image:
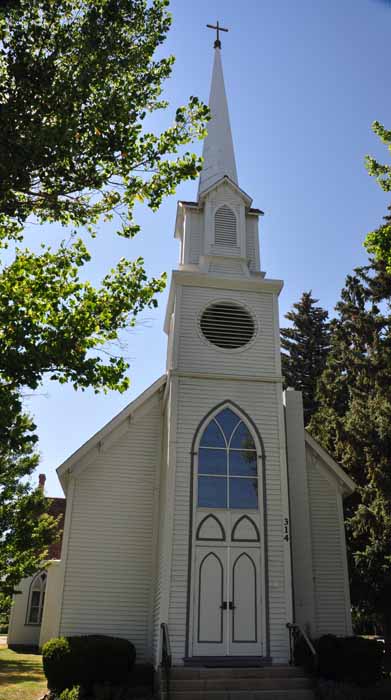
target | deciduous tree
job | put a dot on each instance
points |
(378, 242)
(25, 527)
(79, 85)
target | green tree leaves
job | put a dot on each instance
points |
(378, 242)
(25, 529)
(80, 86)
(51, 321)
(77, 81)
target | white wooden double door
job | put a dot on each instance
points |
(227, 600)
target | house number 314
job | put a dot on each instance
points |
(286, 529)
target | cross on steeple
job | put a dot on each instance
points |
(216, 26)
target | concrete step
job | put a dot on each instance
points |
(258, 683)
(300, 694)
(230, 683)
(184, 673)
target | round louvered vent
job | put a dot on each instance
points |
(227, 325)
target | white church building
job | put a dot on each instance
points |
(204, 504)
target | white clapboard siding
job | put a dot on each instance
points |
(194, 223)
(233, 268)
(252, 244)
(196, 398)
(109, 564)
(197, 355)
(328, 551)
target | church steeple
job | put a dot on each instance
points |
(219, 232)
(218, 150)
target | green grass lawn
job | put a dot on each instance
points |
(21, 676)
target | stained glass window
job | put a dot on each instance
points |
(227, 464)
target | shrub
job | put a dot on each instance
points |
(57, 663)
(329, 690)
(71, 661)
(142, 676)
(70, 693)
(351, 659)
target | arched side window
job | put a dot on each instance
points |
(227, 464)
(225, 226)
(36, 599)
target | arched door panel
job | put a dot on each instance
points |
(210, 595)
(245, 591)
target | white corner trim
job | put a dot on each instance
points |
(285, 509)
(95, 441)
(348, 485)
(65, 547)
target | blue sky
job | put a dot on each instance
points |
(305, 79)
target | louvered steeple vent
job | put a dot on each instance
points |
(225, 226)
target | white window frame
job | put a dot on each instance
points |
(38, 585)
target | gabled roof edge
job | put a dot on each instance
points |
(349, 485)
(232, 184)
(108, 428)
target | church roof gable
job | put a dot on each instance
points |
(102, 434)
(347, 484)
(232, 185)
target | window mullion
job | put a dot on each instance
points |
(228, 472)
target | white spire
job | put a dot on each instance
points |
(218, 150)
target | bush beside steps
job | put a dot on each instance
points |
(343, 659)
(94, 667)
(331, 690)
(103, 691)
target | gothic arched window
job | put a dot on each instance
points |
(36, 599)
(227, 464)
(225, 226)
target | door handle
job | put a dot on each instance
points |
(231, 605)
(224, 605)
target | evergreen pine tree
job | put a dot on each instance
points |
(353, 423)
(305, 346)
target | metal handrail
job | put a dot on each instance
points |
(295, 632)
(166, 656)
